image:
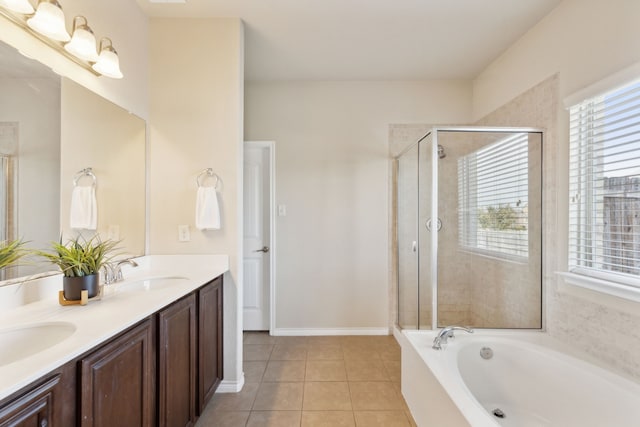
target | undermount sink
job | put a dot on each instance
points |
(23, 341)
(152, 283)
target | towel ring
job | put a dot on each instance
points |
(207, 173)
(85, 172)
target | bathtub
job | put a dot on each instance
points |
(526, 378)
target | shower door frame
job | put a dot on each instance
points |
(434, 211)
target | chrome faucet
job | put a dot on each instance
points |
(118, 268)
(113, 273)
(446, 333)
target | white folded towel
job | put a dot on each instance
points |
(207, 209)
(84, 208)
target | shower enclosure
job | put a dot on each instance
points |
(469, 229)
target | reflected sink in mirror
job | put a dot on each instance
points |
(19, 342)
(152, 283)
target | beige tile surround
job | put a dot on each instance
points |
(350, 381)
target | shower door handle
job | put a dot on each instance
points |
(427, 224)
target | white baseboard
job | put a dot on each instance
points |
(332, 331)
(231, 386)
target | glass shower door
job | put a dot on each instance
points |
(407, 239)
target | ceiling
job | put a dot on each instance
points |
(368, 39)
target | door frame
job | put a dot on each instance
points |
(270, 146)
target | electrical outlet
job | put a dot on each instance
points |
(183, 233)
(282, 210)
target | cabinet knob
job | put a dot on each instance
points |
(44, 422)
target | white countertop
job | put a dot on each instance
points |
(122, 305)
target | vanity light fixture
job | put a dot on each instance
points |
(83, 42)
(18, 6)
(47, 24)
(108, 63)
(49, 21)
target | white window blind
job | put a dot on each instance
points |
(604, 186)
(493, 198)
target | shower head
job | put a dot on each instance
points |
(441, 153)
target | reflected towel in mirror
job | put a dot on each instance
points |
(207, 209)
(84, 208)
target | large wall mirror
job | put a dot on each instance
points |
(51, 131)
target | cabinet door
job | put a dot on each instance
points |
(209, 341)
(34, 409)
(177, 363)
(116, 381)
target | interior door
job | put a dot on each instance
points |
(257, 251)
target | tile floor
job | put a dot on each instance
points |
(313, 382)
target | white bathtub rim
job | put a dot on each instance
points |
(442, 363)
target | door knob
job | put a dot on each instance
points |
(264, 249)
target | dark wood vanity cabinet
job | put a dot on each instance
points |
(162, 371)
(177, 363)
(117, 381)
(34, 409)
(209, 341)
(189, 355)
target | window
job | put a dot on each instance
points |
(604, 186)
(493, 198)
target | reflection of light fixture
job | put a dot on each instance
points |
(49, 20)
(18, 6)
(83, 42)
(108, 63)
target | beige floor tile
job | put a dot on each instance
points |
(257, 351)
(328, 419)
(274, 419)
(279, 397)
(259, 338)
(360, 353)
(289, 352)
(393, 369)
(375, 396)
(381, 419)
(324, 340)
(299, 341)
(242, 401)
(366, 370)
(254, 370)
(324, 352)
(390, 353)
(325, 370)
(223, 419)
(326, 396)
(284, 371)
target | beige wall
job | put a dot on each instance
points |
(582, 41)
(332, 173)
(195, 122)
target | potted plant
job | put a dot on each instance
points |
(11, 251)
(80, 261)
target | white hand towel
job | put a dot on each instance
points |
(84, 208)
(207, 209)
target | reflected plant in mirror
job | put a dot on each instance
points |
(11, 251)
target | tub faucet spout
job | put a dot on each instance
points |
(446, 333)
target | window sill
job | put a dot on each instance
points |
(626, 292)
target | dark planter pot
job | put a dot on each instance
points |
(72, 286)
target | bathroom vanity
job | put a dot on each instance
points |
(158, 363)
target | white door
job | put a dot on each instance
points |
(257, 239)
